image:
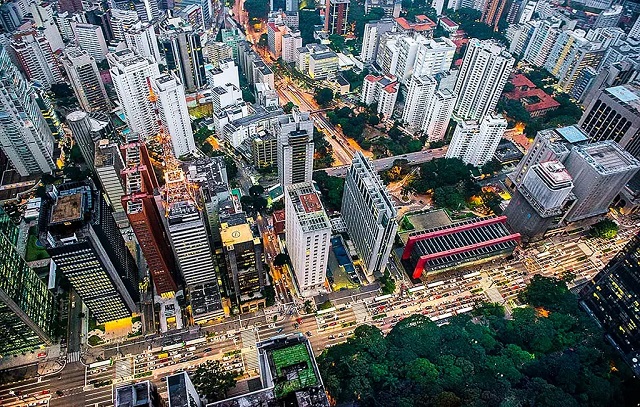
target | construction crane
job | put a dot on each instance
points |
(177, 188)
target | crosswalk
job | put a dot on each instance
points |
(73, 357)
(360, 311)
(250, 356)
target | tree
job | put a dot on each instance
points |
(337, 42)
(491, 167)
(387, 283)
(212, 381)
(374, 120)
(256, 190)
(606, 229)
(323, 96)
(307, 20)
(331, 189)
(263, 41)
(288, 107)
(448, 197)
(281, 259)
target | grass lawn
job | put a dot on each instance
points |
(35, 251)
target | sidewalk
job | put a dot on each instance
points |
(50, 360)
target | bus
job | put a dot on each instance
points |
(195, 341)
(326, 311)
(172, 347)
(436, 284)
(416, 289)
(471, 275)
(382, 298)
(107, 362)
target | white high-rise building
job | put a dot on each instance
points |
(407, 50)
(635, 30)
(369, 215)
(476, 143)
(89, 37)
(542, 40)
(25, 137)
(85, 80)
(436, 120)
(308, 234)
(130, 74)
(226, 72)
(33, 52)
(373, 31)
(142, 39)
(433, 56)
(421, 90)
(483, 74)
(291, 41)
(172, 106)
(382, 90)
(121, 21)
(295, 148)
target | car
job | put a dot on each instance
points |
(59, 393)
(45, 391)
(207, 349)
(308, 333)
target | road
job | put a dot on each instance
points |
(381, 164)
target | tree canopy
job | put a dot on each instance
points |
(331, 189)
(550, 359)
(606, 228)
(212, 381)
(323, 96)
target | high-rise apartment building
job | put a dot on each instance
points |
(336, 13)
(438, 115)
(382, 90)
(36, 58)
(600, 171)
(84, 78)
(172, 106)
(614, 114)
(476, 143)
(308, 234)
(483, 74)
(421, 91)
(121, 21)
(612, 297)
(97, 16)
(86, 246)
(635, 29)
(232, 37)
(130, 74)
(295, 147)
(369, 215)
(181, 44)
(25, 137)
(27, 307)
(217, 52)
(541, 41)
(141, 37)
(492, 12)
(140, 207)
(609, 17)
(90, 38)
(108, 163)
(434, 55)
(291, 41)
(373, 31)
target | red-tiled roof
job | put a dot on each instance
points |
(391, 88)
(519, 80)
(448, 22)
(423, 24)
(546, 101)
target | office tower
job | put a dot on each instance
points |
(600, 171)
(635, 29)
(540, 199)
(232, 37)
(373, 31)
(492, 12)
(43, 100)
(84, 78)
(141, 37)
(43, 16)
(80, 125)
(172, 107)
(181, 391)
(146, 10)
(86, 246)
(291, 41)
(570, 55)
(541, 41)
(121, 21)
(292, 5)
(108, 164)
(141, 394)
(369, 215)
(421, 91)
(295, 147)
(217, 52)
(36, 58)
(612, 297)
(614, 114)
(308, 233)
(25, 137)
(609, 17)
(476, 143)
(70, 6)
(225, 73)
(336, 13)
(613, 74)
(483, 74)
(27, 308)
(98, 17)
(242, 247)
(130, 74)
(434, 55)
(90, 38)
(139, 204)
(274, 38)
(181, 45)
(382, 90)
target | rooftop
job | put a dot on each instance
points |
(133, 395)
(607, 157)
(232, 235)
(556, 172)
(69, 208)
(308, 207)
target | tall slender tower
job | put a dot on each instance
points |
(85, 80)
(483, 74)
(295, 148)
(24, 134)
(36, 57)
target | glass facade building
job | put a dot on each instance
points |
(27, 307)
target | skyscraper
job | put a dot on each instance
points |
(85, 80)
(600, 171)
(614, 114)
(172, 107)
(108, 164)
(421, 91)
(308, 234)
(146, 221)
(438, 115)
(86, 246)
(483, 74)
(492, 12)
(181, 44)
(90, 38)
(475, 143)
(369, 215)
(27, 307)
(295, 148)
(34, 53)
(373, 31)
(336, 13)
(24, 135)
(612, 297)
(130, 74)
(142, 39)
